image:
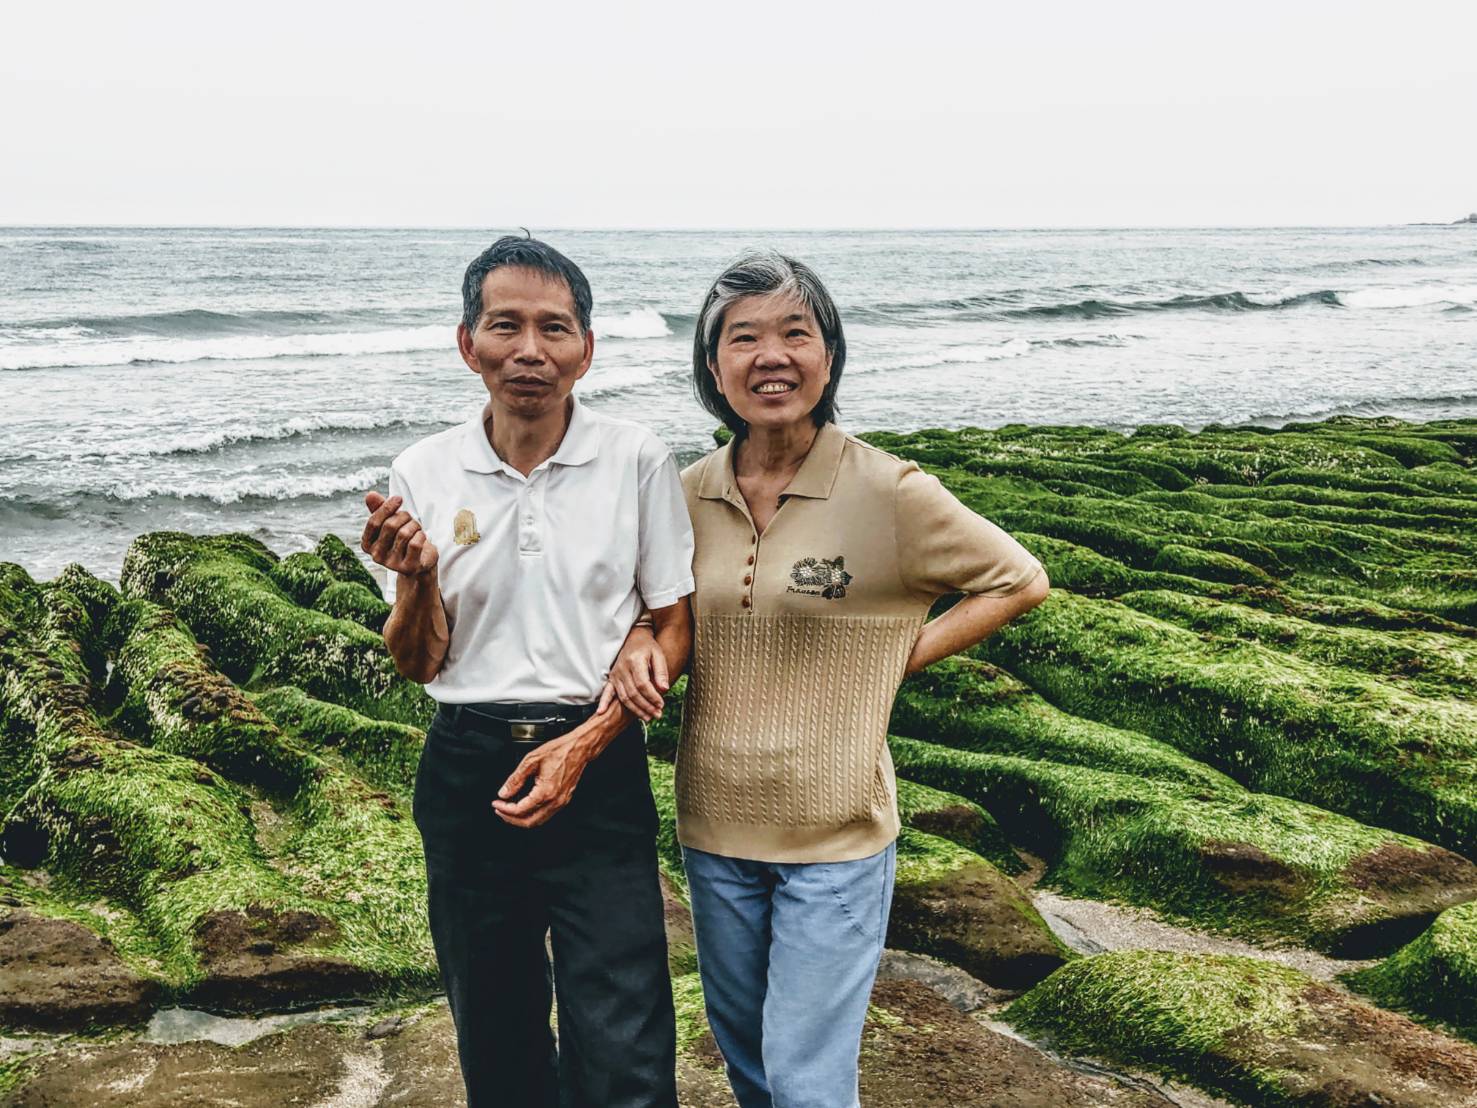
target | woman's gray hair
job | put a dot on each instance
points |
(761, 273)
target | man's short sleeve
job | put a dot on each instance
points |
(399, 487)
(943, 547)
(664, 573)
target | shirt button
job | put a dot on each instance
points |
(745, 602)
(748, 580)
(751, 559)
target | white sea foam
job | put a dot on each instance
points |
(207, 439)
(987, 352)
(1409, 296)
(53, 355)
(231, 490)
(642, 323)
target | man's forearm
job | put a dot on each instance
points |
(417, 633)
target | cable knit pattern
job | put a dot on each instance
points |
(803, 633)
(784, 736)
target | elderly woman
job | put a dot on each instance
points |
(817, 560)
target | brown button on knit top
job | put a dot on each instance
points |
(803, 634)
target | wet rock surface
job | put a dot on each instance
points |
(918, 1050)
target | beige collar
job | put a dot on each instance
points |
(815, 478)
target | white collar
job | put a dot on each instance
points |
(581, 443)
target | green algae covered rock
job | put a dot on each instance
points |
(353, 602)
(1433, 976)
(350, 847)
(954, 905)
(1429, 663)
(1225, 858)
(383, 752)
(302, 577)
(1254, 1031)
(226, 588)
(1239, 508)
(161, 833)
(961, 821)
(252, 873)
(1372, 749)
(972, 705)
(344, 563)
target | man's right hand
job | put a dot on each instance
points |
(395, 540)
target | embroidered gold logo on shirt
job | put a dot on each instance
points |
(464, 529)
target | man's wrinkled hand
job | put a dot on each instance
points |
(394, 539)
(554, 768)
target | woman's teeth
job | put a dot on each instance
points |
(773, 387)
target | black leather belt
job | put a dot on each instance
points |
(528, 724)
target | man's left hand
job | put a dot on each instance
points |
(555, 768)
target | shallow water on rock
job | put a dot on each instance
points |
(1092, 927)
(183, 1025)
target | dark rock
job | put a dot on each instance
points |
(260, 959)
(56, 975)
(386, 1027)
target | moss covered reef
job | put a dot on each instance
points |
(383, 752)
(1374, 511)
(1257, 1032)
(1328, 734)
(249, 870)
(1293, 609)
(1248, 706)
(950, 816)
(1256, 864)
(234, 594)
(1435, 975)
(972, 705)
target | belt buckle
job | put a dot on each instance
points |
(524, 731)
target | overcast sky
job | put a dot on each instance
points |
(747, 114)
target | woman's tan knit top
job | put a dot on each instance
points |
(803, 635)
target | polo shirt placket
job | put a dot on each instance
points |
(536, 611)
(531, 512)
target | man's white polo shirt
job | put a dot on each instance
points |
(542, 577)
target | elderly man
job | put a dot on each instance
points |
(521, 546)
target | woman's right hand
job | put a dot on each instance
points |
(638, 679)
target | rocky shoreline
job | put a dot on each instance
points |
(1200, 830)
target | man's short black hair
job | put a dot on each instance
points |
(528, 253)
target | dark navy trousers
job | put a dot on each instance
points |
(588, 880)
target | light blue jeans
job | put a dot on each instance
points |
(788, 953)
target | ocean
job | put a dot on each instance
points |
(261, 380)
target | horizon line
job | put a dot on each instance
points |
(696, 229)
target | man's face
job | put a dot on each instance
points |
(527, 346)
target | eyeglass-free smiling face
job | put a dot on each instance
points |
(772, 365)
(527, 347)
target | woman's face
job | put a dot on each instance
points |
(772, 364)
